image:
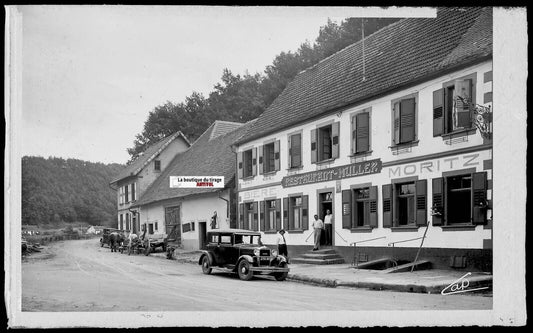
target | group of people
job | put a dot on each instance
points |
(318, 226)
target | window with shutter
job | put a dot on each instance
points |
(404, 125)
(241, 216)
(240, 166)
(255, 218)
(314, 148)
(262, 216)
(438, 201)
(479, 198)
(421, 205)
(262, 151)
(248, 162)
(276, 156)
(346, 209)
(335, 128)
(452, 105)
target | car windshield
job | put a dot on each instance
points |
(248, 239)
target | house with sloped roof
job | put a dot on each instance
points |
(392, 135)
(136, 177)
(185, 214)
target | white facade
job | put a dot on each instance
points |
(195, 214)
(428, 158)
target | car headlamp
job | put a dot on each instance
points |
(256, 252)
(274, 253)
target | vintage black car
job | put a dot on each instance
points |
(105, 235)
(241, 251)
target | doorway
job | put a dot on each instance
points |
(325, 202)
(202, 235)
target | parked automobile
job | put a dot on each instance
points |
(241, 251)
(105, 235)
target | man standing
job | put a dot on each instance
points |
(282, 244)
(318, 225)
(214, 219)
(328, 224)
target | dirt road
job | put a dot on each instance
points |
(79, 275)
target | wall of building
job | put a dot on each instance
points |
(193, 210)
(429, 158)
(147, 176)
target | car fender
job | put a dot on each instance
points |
(246, 257)
(209, 256)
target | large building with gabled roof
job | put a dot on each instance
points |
(137, 176)
(185, 214)
(391, 134)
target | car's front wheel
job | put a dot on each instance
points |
(244, 271)
(206, 267)
(283, 275)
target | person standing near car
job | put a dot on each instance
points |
(328, 226)
(318, 225)
(282, 244)
(132, 238)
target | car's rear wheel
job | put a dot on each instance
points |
(281, 276)
(206, 267)
(244, 271)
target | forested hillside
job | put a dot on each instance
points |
(55, 190)
(244, 97)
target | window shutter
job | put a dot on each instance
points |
(335, 139)
(241, 216)
(354, 136)
(278, 214)
(239, 165)
(347, 209)
(438, 112)
(374, 206)
(305, 212)
(363, 132)
(387, 205)
(407, 120)
(286, 213)
(262, 214)
(479, 197)
(438, 200)
(289, 157)
(396, 123)
(276, 155)
(134, 191)
(421, 202)
(255, 224)
(314, 150)
(260, 159)
(254, 161)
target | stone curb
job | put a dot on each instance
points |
(411, 288)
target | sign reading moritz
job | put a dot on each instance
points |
(336, 173)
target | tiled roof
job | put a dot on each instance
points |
(396, 56)
(203, 158)
(148, 155)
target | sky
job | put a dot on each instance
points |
(91, 74)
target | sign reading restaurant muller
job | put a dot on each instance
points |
(336, 173)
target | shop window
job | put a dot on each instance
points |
(296, 212)
(295, 151)
(361, 132)
(404, 120)
(359, 207)
(404, 204)
(247, 161)
(325, 143)
(269, 157)
(460, 199)
(452, 106)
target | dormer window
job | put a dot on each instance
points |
(157, 165)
